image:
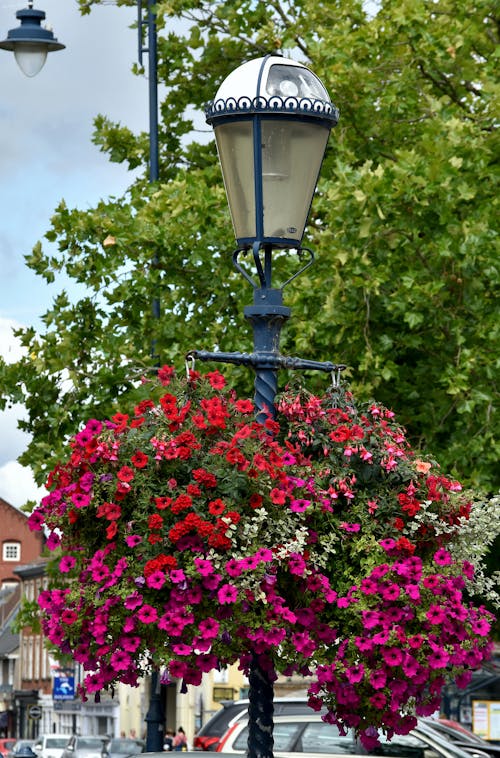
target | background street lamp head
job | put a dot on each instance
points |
(272, 118)
(30, 41)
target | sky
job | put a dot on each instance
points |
(46, 155)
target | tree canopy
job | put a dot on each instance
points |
(403, 225)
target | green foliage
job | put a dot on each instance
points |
(403, 227)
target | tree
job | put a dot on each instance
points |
(403, 227)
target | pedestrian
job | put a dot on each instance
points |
(180, 740)
(168, 742)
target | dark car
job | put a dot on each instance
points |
(462, 737)
(22, 749)
(209, 735)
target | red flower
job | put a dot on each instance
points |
(206, 478)
(125, 474)
(405, 545)
(155, 521)
(181, 503)
(143, 406)
(244, 406)
(139, 459)
(216, 507)
(217, 381)
(256, 500)
(111, 511)
(153, 538)
(163, 502)
(277, 496)
(120, 421)
(165, 374)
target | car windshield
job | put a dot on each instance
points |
(89, 742)
(56, 742)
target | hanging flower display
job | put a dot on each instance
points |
(188, 536)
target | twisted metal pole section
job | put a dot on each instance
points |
(260, 711)
(267, 316)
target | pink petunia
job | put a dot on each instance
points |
(442, 557)
(66, 563)
(228, 593)
(147, 614)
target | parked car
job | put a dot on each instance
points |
(85, 747)
(207, 738)
(312, 736)
(459, 735)
(50, 745)
(124, 746)
(22, 749)
(6, 744)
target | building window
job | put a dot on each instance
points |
(11, 551)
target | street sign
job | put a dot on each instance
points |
(35, 712)
(64, 687)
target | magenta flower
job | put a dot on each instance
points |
(435, 614)
(80, 499)
(438, 659)
(133, 601)
(233, 567)
(299, 505)
(156, 580)
(355, 674)
(349, 527)
(66, 563)
(392, 656)
(147, 614)
(177, 576)
(203, 566)
(228, 593)
(133, 540)
(442, 557)
(120, 660)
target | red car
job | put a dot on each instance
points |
(6, 744)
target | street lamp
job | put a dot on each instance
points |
(272, 118)
(31, 41)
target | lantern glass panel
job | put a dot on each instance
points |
(292, 153)
(235, 147)
(30, 57)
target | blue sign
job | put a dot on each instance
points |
(64, 687)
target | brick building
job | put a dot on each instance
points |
(18, 544)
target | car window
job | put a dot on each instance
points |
(405, 746)
(319, 737)
(284, 737)
(219, 722)
(56, 742)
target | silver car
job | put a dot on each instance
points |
(314, 738)
(85, 747)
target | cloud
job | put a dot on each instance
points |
(17, 485)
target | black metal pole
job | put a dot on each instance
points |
(155, 718)
(267, 316)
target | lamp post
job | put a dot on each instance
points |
(272, 118)
(31, 42)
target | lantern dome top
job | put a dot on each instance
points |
(272, 84)
(31, 32)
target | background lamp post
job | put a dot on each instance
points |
(31, 41)
(272, 118)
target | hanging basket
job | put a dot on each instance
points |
(187, 536)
